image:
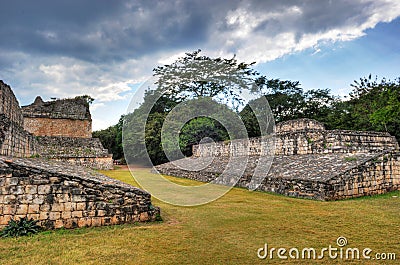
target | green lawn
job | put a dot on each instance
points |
(226, 231)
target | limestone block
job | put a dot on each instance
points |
(54, 216)
(33, 208)
(44, 189)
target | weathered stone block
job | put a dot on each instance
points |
(22, 209)
(33, 208)
(5, 219)
(77, 214)
(54, 216)
(58, 224)
(57, 207)
(144, 217)
(44, 189)
(31, 189)
(80, 206)
(66, 215)
(84, 222)
(96, 221)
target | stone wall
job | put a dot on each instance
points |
(14, 140)
(63, 117)
(308, 162)
(377, 175)
(313, 176)
(63, 195)
(79, 151)
(58, 127)
(9, 105)
(302, 140)
(298, 125)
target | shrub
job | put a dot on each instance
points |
(23, 227)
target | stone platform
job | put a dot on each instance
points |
(308, 162)
(320, 177)
(60, 194)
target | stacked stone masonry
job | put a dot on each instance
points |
(62, 117)
(308, 162)
(58, 127)
(59, 130)
(59, 193)
(301, 140)
(62, 195)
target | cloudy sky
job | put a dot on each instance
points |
(108, 48)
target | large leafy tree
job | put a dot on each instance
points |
(375, 105)
(193, 76)
(196, 75)
(287, 101)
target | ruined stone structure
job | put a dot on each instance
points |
(63, 195)
(64, 117)
(14, 140)
(59, 130)
(308, 162)
(53, 190)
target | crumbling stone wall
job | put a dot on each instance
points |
(63, 117)
(302, 140)
(299, 125)
(14, 140)
(87, 152)
(377, 175)
(58, 127)
(9, 105)
(63, 195)
(308, 162)
(312, 176)
(59, 130)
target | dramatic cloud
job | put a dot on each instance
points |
(101, 47)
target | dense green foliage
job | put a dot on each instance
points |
(200, 128)
(191, 79)
(111, 138)
(372, 105)
(22, 227)
(194, 76)
(288, 101)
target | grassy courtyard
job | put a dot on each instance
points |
(226, 231)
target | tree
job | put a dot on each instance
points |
(198, 129)
(192, 79)
(194, 76)
(375, 105)
(287, 101)
(111, 139)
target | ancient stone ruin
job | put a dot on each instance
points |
(65, 195)
(46, 151)
(58, 129)
(308, 162)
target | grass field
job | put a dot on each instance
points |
(226, 231)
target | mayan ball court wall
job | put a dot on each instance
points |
(308, 162)
(45, 175)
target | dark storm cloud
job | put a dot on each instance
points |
(104, 30)
(101, 47)
(101, 30)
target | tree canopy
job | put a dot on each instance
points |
(372, 105)
(196, 75)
